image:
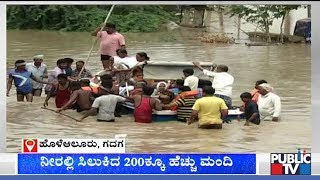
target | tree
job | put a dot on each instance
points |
(281, 11)
(260, 14)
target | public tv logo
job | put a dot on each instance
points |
(291, 163)
(30, 145)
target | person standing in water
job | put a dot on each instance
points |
(210, 110)
(40, 71)
(251, 110)
(144, 105)
(23, 81)
(80, 99)
(61, 90)
(269, 103)
(222, 82)
(60, 69)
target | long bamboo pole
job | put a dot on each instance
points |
(95, 42)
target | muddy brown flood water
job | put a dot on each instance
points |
(287, 68)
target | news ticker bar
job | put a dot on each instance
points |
(14, 164)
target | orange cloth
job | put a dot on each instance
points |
(255, 95)
(182, 95)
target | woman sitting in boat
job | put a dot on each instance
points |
(162, 92)
(138, 71)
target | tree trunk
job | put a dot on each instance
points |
(281, 26)
(220, 13)
(181, 14)
(186, 17)
(287, 24)
(267, 31)
(239, 26)
(198, 18)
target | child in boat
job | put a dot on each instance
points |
(144, 105)
(23, 81)
(61, 90)
(250, 109)
(184, 104)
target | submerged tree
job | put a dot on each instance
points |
(263, 15)
(281, 11)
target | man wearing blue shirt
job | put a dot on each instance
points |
(23, 81)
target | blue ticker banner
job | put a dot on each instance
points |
(136, 164)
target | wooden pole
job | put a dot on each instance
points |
(60, 113)
(95, 42)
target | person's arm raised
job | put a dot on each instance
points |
(95, 32)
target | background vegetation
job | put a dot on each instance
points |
(87, 18)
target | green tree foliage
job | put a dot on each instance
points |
(87, 18)
(262, 15)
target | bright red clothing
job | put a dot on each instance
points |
(62, 97)
(143, 112)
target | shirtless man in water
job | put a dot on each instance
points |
(79, 99)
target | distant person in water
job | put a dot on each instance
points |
(79, 99)
(53, 76)
(144, 105)
(251, 110)
(210, 110)
(269, 103)
(23, 81)
(62, 91)
(110, 42)
(40, 71)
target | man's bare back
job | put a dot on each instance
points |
(83, 99)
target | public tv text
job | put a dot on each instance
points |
(136, 164)
(291, 163)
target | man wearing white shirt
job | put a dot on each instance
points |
(269, 103)
(124, 60)
(39, 70)
(53, 75)
(190, 80)
(222, 82)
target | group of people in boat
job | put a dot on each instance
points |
(122, 80)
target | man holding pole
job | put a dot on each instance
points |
(110, 42)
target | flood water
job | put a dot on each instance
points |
(287, 68)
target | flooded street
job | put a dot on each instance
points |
(286, 67)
